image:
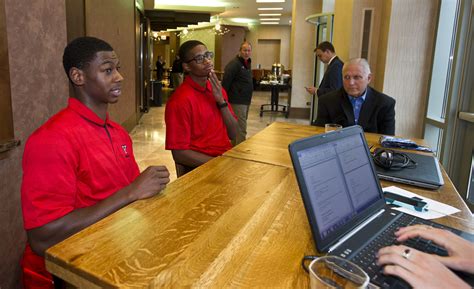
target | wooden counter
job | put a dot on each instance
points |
(237, 221)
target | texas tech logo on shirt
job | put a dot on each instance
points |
(124, 148)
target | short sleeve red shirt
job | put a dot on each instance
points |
(74, 160)
(194, 122)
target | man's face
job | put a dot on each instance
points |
(102, 79)
(245, 51)
(195, 56)
(355, 80)
(324, 56)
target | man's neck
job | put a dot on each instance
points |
(332, 58)
(100, 109)
(201, 80)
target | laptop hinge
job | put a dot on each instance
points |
(357, 229)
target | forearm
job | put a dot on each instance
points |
(190, 158)
(41, 238)
(230, 122)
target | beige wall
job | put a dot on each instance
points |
(36, 34)
(303, 41)
(342, 38)
(114, 21)
(263, 32)
(228, 46)
(408, 63)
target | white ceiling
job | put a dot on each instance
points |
(227, 10)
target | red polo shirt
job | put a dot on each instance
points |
(74, 160)
(194, 122)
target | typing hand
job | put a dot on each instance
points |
(419, 269)
(216, 87)
(150, 182)
(460, 251)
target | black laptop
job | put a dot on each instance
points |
(425, 174)
(345, 204)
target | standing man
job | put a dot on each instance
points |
(238, 83)
(332, 79)
(199, 121)
(357, 103)
(79, 166)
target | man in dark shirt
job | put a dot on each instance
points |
(238, 84)
(332, 79)
(357, 103)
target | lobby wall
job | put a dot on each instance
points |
(36, 35)
(114, 21)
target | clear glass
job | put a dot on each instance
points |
(336, 272)
(331, 126)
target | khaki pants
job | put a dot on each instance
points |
(242, 113)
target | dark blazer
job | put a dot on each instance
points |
(332, 79)
(376, 115)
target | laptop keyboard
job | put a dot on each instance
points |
(366, 257)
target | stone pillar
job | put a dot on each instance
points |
(303, 41)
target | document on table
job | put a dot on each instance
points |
(435, 209)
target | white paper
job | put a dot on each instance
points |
(435, 209)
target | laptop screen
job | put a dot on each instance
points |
(336, 179)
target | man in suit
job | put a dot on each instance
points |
(357, 103)
(332, 79)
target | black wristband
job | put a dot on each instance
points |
(222, 105)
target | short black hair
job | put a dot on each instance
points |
(186, 47)
(81, 51)
(326, 45)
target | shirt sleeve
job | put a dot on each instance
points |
(49, 179)
(178, 125)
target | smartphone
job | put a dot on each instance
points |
(411, 203)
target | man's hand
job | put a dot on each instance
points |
(150, 182)
(311, 89)
(216, 87)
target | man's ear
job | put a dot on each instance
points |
(369, 78)
(77, 76)
(186, 67)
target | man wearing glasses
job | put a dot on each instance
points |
(357, 103)
(199, 121)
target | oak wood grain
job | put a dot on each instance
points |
(244, 226)
(237, 221)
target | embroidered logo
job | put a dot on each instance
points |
(124, 148)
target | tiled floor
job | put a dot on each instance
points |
(149, 135)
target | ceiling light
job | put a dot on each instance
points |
(270, 14)
(269, 23)
(271, 8)
(242, 20)
(208, 3)
(269, 19)
(270, 1)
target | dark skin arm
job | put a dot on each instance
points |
(146, 185)
(229, 120)
(190, 158)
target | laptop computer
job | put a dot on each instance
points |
(425, 174)
(344, 201)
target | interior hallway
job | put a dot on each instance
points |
(149, 135)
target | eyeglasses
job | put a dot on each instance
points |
(200, 58)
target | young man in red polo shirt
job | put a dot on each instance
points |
(199, 121)
(79, 166)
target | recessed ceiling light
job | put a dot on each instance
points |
(269, 19)
(272, 23)
(270, 1)
(209, 3)
(271, 8)
(270, 14)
